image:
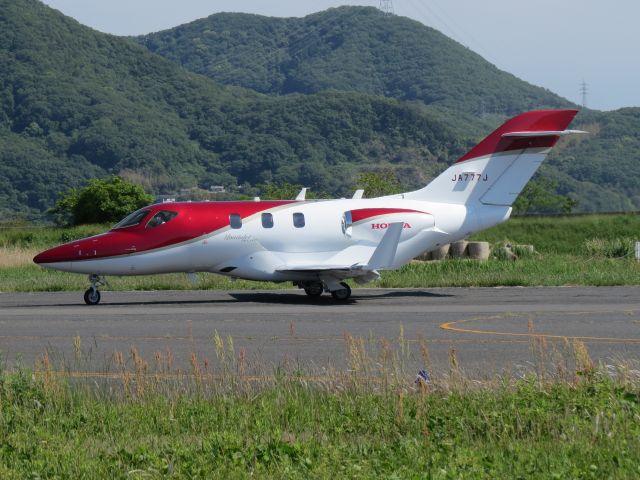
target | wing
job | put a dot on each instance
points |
(382, 257)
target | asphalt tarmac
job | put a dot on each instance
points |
(491, 330)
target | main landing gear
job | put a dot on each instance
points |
(343, 294)
(92, 295)
(315, 289)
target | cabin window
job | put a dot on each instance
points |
(160, 218)
(298, 220)
(267, 220)
(132, 219)
(235, 220)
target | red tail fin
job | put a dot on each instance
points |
(496, 170)
(546, 122)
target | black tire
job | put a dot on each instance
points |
(92, 297)
(314, 289)
(343, 294)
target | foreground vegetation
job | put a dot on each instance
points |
(583, 250)
(232, 420)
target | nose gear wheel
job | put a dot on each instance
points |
(92, 294)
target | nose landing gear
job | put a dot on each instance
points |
(92, 295)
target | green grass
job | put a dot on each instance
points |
(293, 427)
(28, 236)
(548, 270)
(563, 235)
(32, 278)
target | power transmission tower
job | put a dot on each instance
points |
(386, 6)
(583, 90)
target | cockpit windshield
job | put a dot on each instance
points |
(131, 220)
(160, 218)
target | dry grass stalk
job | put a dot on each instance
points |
(455, 374)
(584, 364)
(539, 351)
(218, 343)
(77, 348)
(373, 366)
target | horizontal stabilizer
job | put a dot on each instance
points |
(549, 133)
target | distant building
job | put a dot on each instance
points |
(216, 189)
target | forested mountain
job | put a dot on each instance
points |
(359, 49)
(600, 170)
(347, 48)
(76, 104)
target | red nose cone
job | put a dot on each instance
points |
(62, 253)
(84, 249)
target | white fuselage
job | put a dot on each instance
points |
(255, 252)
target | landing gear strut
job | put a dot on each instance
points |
(92, 295)
(343, 294)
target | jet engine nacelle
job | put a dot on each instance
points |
(370, 224)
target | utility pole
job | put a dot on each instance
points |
(583, 91)
(386, 6)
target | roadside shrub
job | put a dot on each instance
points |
(101, 201)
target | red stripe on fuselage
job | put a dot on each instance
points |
(194, 219)
(361, 214)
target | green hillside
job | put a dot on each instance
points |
(601, 169)
(347, 48)
(358, 49)
(75, 104)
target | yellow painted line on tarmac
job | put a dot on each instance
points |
(450, 326)
(340, 338)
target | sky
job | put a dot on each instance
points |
(556, 44)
